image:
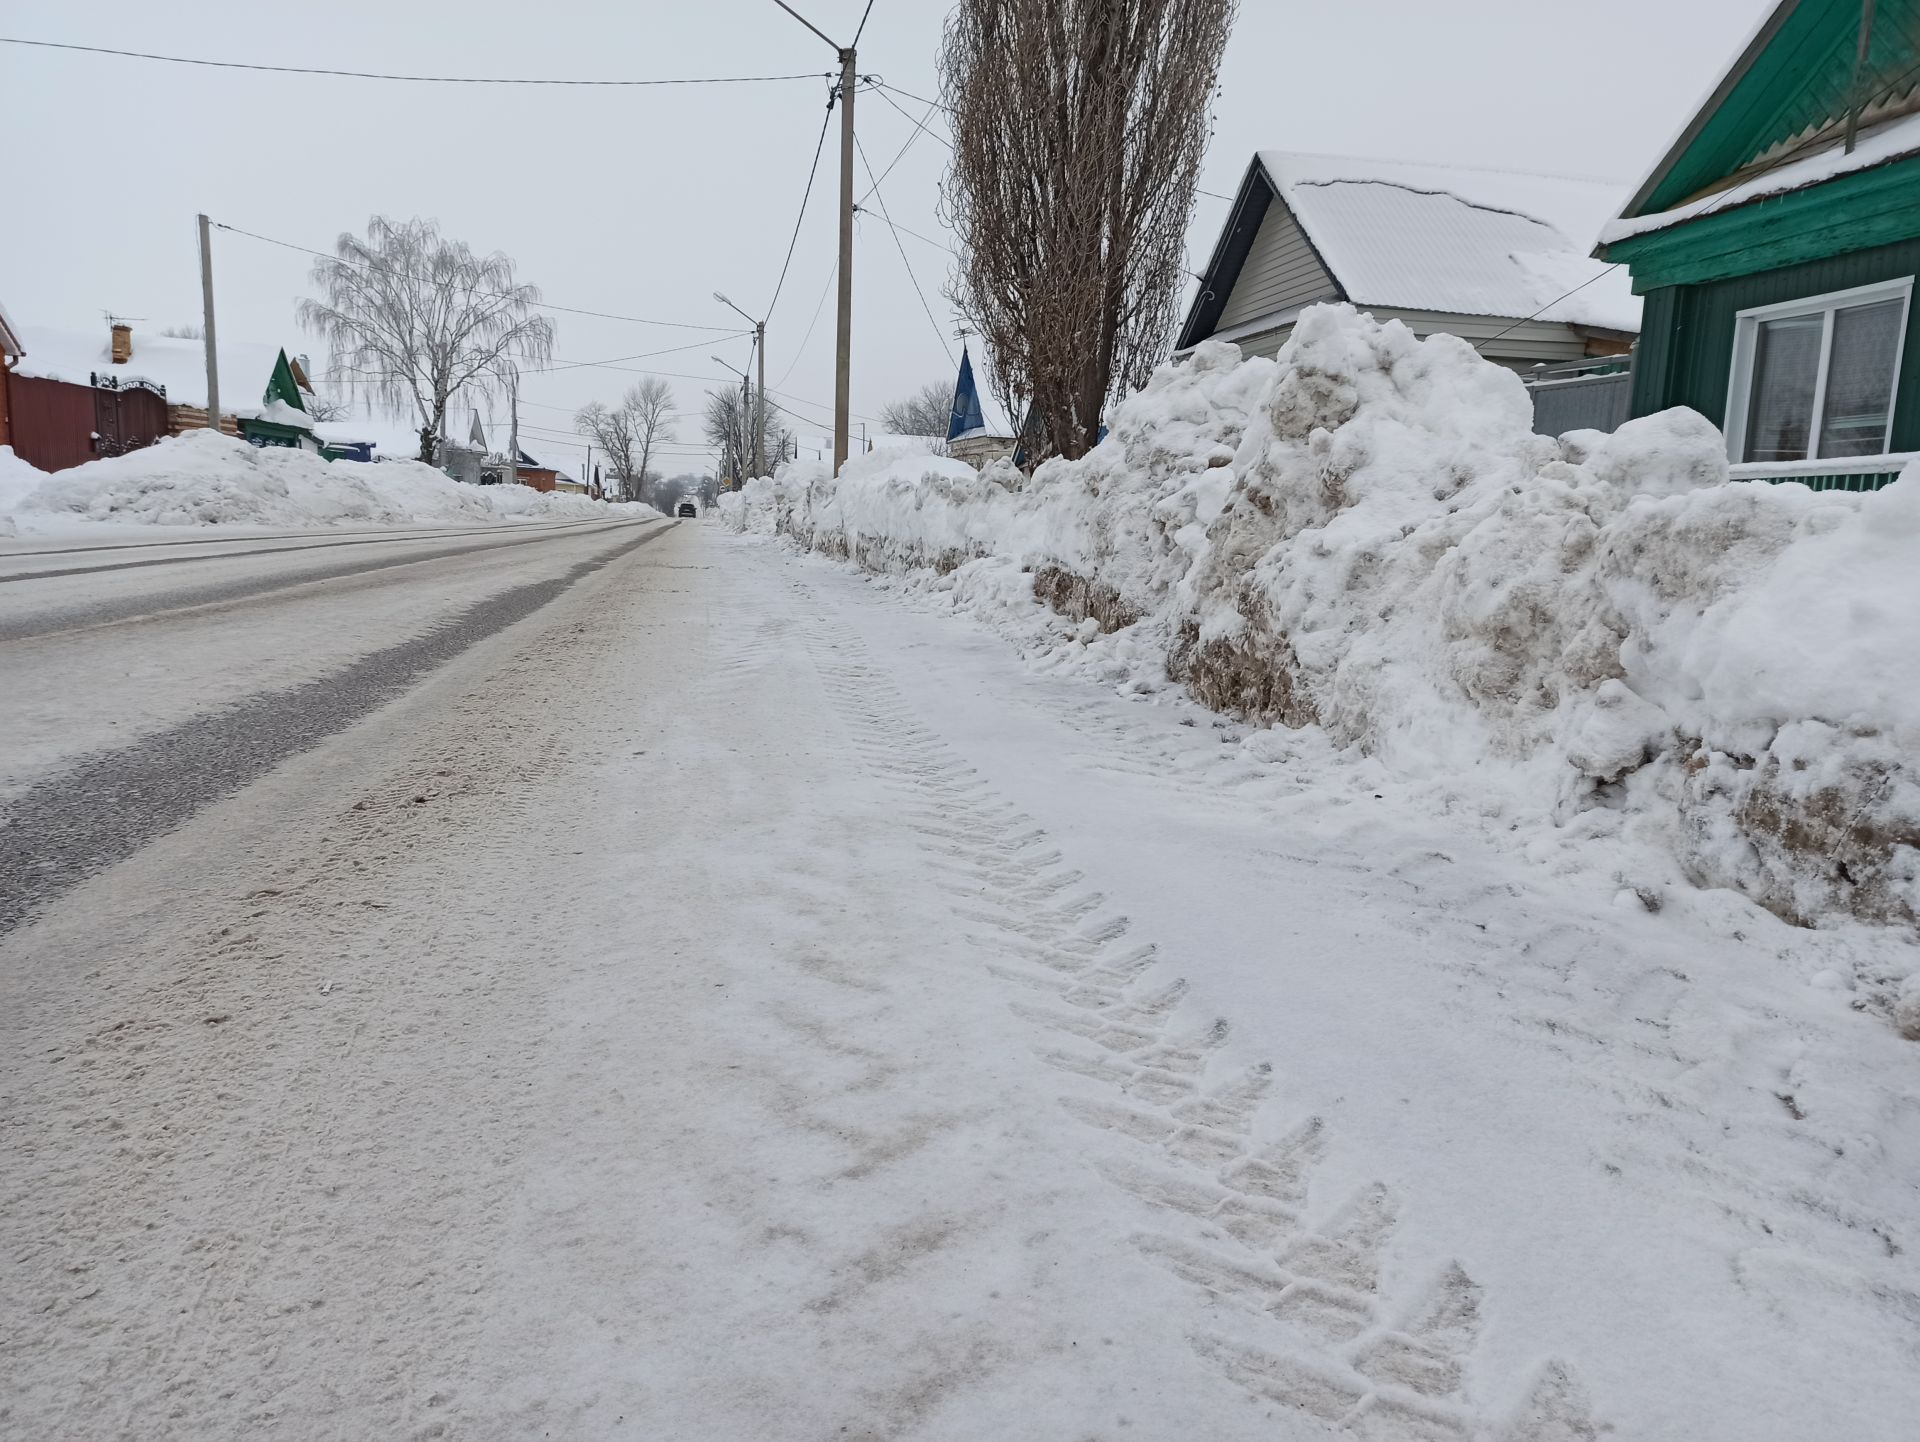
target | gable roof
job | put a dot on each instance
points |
(1408, 236)
(1789, 89)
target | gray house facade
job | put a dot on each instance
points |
(1488, 256)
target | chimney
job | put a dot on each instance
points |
(122, 342)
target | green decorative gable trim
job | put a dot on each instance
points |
(282, 386)
(1797, 76)
(1851, 212)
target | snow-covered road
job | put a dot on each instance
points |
(723, 1001)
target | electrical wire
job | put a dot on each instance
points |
(489, 294)
(919, 129)
(915, 234)
(881, 91)
(559, 365)
(861, 29)
(819, 146)
(819, 306)
(909, 95)
(417, 79)
(875, 192)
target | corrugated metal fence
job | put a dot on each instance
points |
(1581, 395)
(57, 424)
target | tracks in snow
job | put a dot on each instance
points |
(1241, 1220)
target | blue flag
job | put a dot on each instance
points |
(966, 414)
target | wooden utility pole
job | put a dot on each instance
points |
(843, 359)
(513, 428)
(760, 411)
(206, 324)
(843, 356)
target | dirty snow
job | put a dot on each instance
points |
(1596, 644)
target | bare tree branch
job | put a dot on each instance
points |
(1078, 131)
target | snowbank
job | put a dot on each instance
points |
(204, 479)
(1600, 633)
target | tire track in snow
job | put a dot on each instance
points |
(1333, 1347)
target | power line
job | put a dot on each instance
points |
(818, 306)
(417, 79)
(643, 355)
(818, 147)
(915, 234)
(881, 91)
(488, 294)
(909, 95)
(875, 192)
(919, 129)
(862, 28)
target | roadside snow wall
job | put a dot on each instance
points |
(1365, 535)
(201, 478)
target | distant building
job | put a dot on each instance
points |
(969, 438)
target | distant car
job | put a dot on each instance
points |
(687, 510)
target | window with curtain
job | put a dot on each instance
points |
(1786, 371)
(1816, 380)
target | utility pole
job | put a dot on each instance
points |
(513, 428)
(206, 301)
(760, 411)
(843, 357)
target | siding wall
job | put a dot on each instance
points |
(1281, 271)
(6, 405)
(1519, 349)
(1686, 339)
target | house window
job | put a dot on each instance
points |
(1815, 379)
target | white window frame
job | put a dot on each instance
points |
(1746, 331)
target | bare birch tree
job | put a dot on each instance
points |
(1078, 131)
(415, 319)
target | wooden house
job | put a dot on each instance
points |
(533, 473)
(11, 348)
(1776, 244)
(1498, 258)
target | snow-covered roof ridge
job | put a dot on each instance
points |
(1879, 145)
(1455, 239)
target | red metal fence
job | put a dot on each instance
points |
(57, 424)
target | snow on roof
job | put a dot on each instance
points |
(1895, 140)
(178, 364)
(10, 341)
(1471, 242)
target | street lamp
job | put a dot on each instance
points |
(760, 409)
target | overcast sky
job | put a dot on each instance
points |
(643, 202)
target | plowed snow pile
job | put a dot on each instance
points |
(1598, 634)
(202, 479)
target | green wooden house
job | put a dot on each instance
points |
(282, 419)
(1776, 244)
